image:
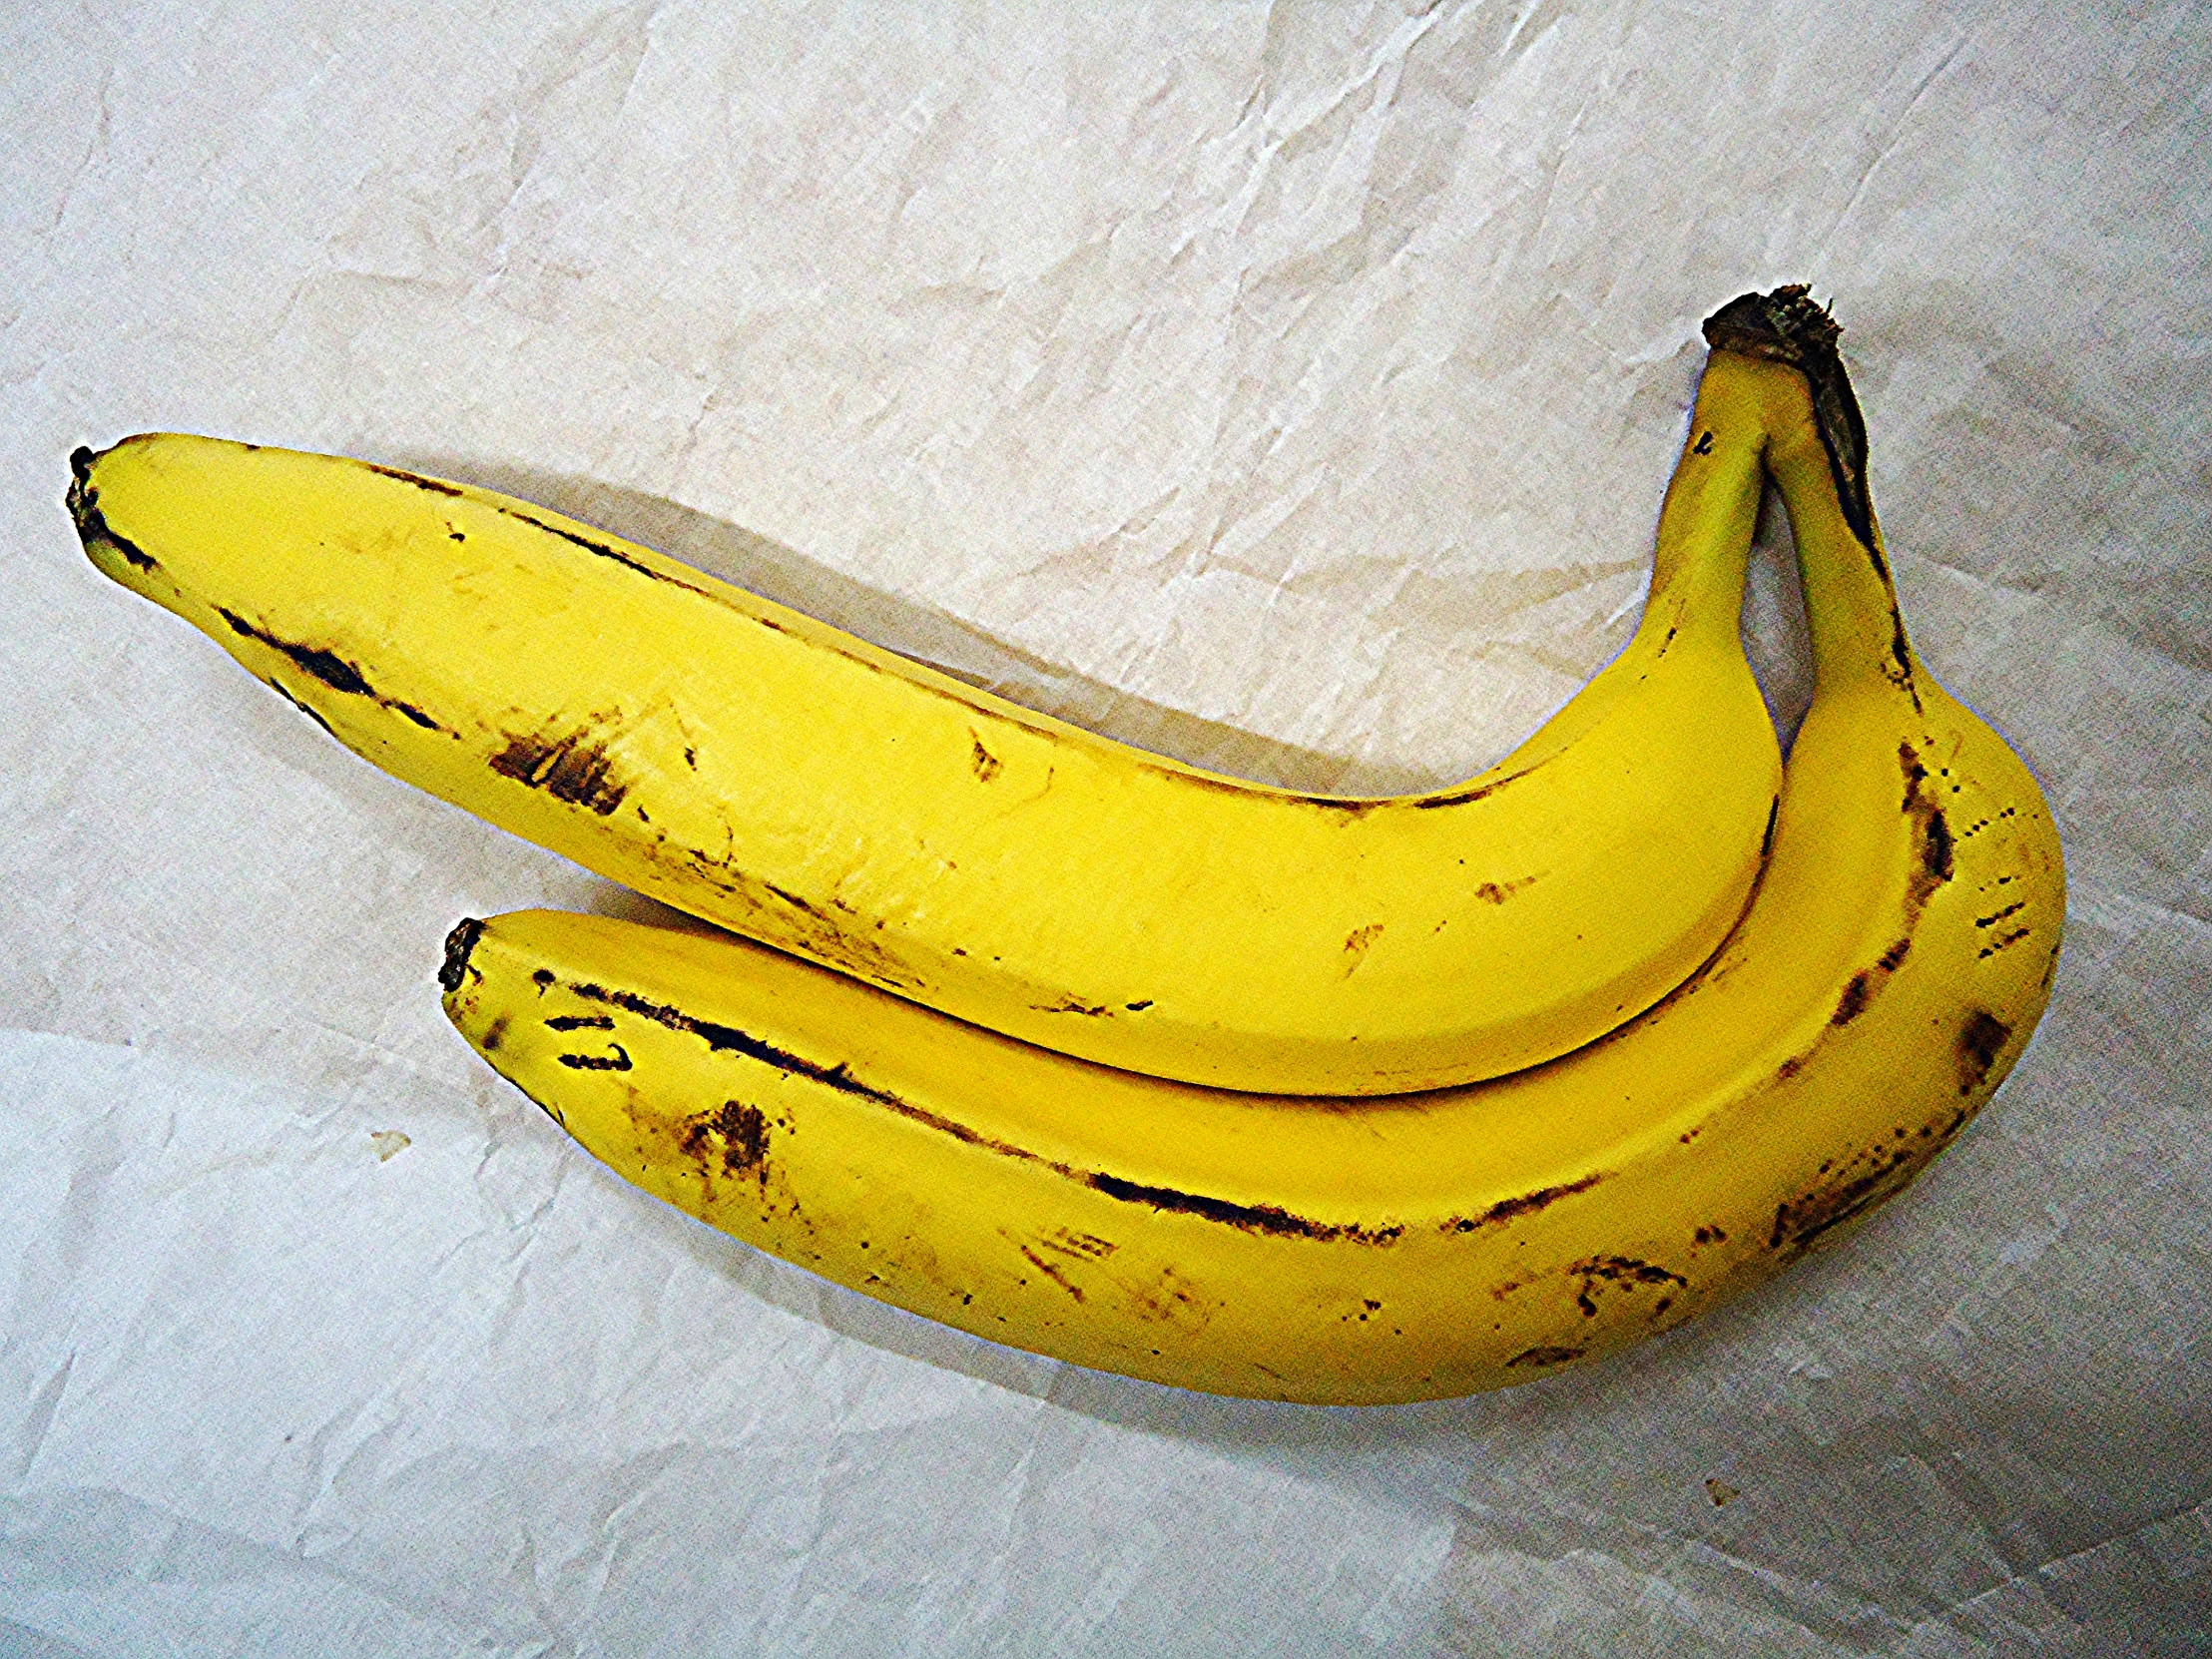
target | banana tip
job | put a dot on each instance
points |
(93, 529)
(458, 945)
(82, 497)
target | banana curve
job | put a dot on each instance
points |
(762, 771)
(1887, 975)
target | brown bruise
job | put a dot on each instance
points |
(1253, 1218)
(1980, 1044)
(1497, 892)
(1848, 1187)
(327, 667)
(1854, 1001)
(1086, 1247)
(1623, 1273)
(1508, 1208)
(1545, 1356)
(1931, 832)
(799, 926)
(1073, 1006)
(1052, 1272)
(1170, 1300)
(734, 1134)
(573, 767)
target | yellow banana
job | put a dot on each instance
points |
(1888, 973)
(754, 766)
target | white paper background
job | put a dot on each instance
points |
(1286, 387)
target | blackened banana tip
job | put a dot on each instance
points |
(458, 945)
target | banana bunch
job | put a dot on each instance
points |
(760, 770)
(1907, 898)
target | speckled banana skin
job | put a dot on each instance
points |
(1885, 976)
(761, 770)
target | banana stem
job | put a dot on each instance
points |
(1816, 451)
(1711, 508)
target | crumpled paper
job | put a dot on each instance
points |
(1289, 389)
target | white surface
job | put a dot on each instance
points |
(1290, 389)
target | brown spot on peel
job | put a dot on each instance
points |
(742, 1132)
(1617, 1269)
(436, 486)
(1497, 892)
(1800, 1222)
(619, 1060)
(327, 667)
(1848, 1187)
(571, 768)
(1052, 1272)
(1932, 831)
(1937, 848)
(1258, 1217)
(1853, 1002)
(1545, 1356)
(1980, 1044)
(1073, 1006)
(1528, 1204)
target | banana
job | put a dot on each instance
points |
(756, 768)
(1888, 973)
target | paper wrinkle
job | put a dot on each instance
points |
(1895, 131)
